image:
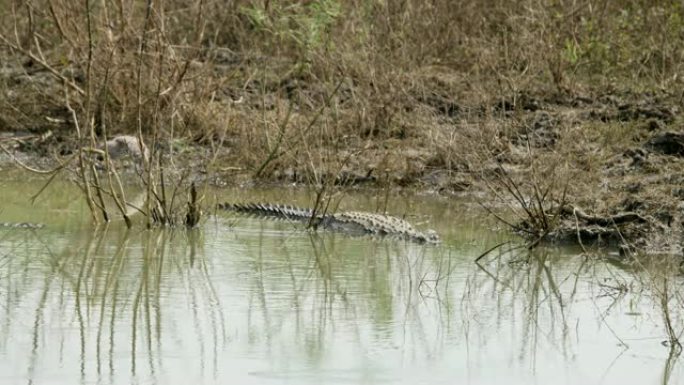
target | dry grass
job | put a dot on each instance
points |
(250, 68)
(401, 92)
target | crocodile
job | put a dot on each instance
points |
(348, 222)
(21, 225)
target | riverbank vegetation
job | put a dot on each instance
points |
(572, 105)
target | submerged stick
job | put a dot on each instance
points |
(193, 216)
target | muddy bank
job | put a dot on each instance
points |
(616, 157)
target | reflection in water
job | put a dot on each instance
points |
(250, 301)
(337, 280)
(554, 291)
(108, 294)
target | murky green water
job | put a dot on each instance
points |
(250, 301)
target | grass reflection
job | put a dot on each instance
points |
(306, 288)
(547, 290)
(115, 286)
(115, 305)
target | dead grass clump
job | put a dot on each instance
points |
(161, 52)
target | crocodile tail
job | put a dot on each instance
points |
(269, 210)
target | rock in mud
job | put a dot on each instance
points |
(627, 112)
(667, 143)
(539, 131)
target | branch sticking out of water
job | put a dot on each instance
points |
(536, 205)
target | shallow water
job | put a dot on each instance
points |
(251, 301)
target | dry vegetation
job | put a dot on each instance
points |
(562, 97)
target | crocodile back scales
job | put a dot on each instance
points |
(351, 222)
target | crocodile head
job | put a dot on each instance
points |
(431, 236)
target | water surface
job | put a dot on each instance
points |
(252, 301)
